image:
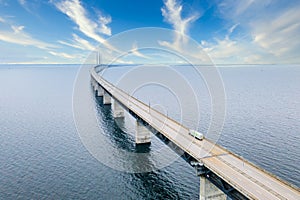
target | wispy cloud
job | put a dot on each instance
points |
(271, 29)
(236, 50)
(63, 55)
(279, 35)
(31, 6)
(79, 43)
(230, 31)
(172, 13)
(135, 51)
(17, 35)
(232, 9)
(95, 30)
(77, 13)
(104, 21)
(77, 46)
(228, 51)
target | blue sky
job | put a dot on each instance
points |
(229, 31)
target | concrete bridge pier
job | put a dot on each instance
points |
(118, 110)
(99, 91)
(143, 134)
(106, 98)
(209, 191)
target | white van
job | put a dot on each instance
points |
(196, 134)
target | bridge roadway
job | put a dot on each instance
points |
(248, 179)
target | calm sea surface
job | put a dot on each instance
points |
(42, 156)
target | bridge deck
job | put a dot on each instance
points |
(245, 177)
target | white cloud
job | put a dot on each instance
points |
(182, 44)
(76, 12)
(124, 62)
(230, 31)
(226, 50)
(103, 28)
(79, 43)
(77, 46)
(229, 50)
(31, 6)
(222, 49)
(63, 55)
(83, 43)
(172, 13)
(17, 29)
(17, 35)
(279, 35)
(242, 10)
(243, 5)
(271, 27)
(136, 52)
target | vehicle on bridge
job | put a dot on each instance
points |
(196, 134)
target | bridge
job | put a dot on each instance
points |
(222, 174)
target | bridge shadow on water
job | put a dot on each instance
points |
(156, 184)
(115, 134)
(126, 141)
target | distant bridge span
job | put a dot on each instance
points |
(222, 173)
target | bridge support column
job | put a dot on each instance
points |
(106, 98)
(118, 111)
(99, 91)
(209, 191)
(143, 134)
